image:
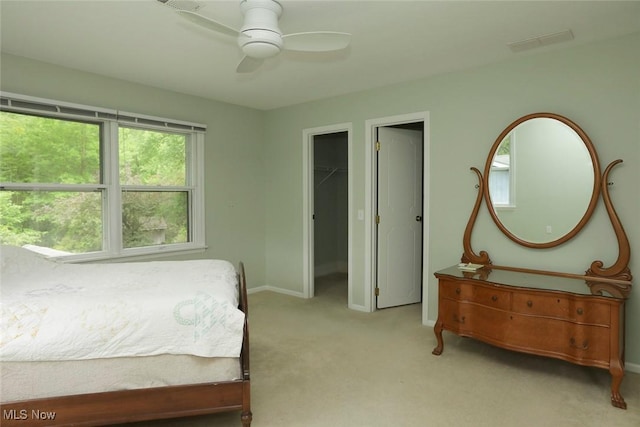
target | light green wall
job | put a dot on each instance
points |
(597, 86)
(234, 170)
(254, 159)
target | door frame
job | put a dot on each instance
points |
(370, 202)
(308, 191)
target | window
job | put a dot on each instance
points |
(87, 183)
(501, 176)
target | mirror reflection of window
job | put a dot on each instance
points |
(502, 172)
(541, 180)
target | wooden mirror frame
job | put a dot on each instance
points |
(595, 192)
(616, 279)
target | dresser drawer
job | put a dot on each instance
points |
(484, 295)
(584, 344)
(473, 320)
(563, 307)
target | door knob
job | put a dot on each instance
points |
(418, 218)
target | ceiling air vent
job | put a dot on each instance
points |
(540, 41)
(188, 5)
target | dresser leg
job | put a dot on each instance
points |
(437, 329)
(616, 379)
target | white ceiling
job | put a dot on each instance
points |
(146, 42)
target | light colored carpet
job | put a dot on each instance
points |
(316, 363)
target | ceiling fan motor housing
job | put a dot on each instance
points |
(260, 35)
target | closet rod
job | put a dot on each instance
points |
(329, 169)
(326, 177)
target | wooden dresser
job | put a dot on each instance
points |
(574, 317)
(534, 313)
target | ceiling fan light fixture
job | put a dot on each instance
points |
(260, 49)
(260, 36)
(260, 43)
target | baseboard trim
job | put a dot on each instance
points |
(358, 308)
(632, 367)
(275, 289)
(256, 289)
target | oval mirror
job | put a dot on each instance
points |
(541, 180)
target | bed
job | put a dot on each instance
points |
(100, 344)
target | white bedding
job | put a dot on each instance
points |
(54, 311)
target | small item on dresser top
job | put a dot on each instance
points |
(467, 266)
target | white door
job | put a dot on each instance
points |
(399, 212)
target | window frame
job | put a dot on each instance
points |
(511, 203)
(110, 121)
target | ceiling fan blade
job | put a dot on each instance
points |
(316, 41)
(249, 65)
(208, 23)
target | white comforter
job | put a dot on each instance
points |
(54, 311)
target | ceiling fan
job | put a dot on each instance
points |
(260, 37)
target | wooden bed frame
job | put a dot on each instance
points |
(96, 409)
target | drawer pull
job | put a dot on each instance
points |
(458, 319)
(458, 291)
(580, 311)
(494, 298)
(529, 303)
(585, 344)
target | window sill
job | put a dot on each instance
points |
(144, 254)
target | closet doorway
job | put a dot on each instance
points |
(327, 213)
(396, 253)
